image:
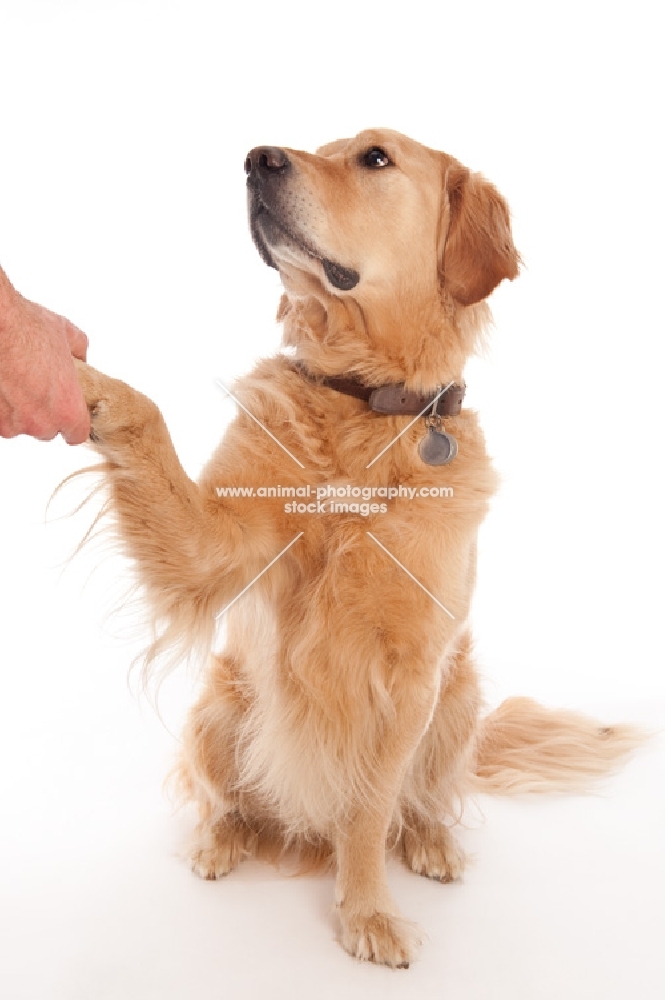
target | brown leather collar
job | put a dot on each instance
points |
(392, 398)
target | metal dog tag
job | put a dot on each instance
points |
(437, 447)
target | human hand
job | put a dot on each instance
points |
(39, 390)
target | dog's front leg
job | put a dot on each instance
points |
(191, 551)
(372, 927)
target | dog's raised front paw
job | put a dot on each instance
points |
(118, 413)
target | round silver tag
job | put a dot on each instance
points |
(437, 447)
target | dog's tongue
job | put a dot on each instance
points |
(344, 278)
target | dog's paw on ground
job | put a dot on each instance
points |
(434, 852)
(214, 862)
(381, 938)
(219, 850)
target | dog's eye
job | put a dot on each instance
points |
(376, 157)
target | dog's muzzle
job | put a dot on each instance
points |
(269, 170)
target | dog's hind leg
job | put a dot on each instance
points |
(207, 774)
(220, 845)
(430, 849)
(436, 781)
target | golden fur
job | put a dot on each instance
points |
(344, 712)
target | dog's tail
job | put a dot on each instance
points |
(523, 747)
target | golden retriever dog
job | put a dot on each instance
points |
(343, 717)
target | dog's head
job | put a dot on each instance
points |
(378, 215)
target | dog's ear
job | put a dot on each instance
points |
(479, 250)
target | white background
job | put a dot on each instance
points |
(123, 131)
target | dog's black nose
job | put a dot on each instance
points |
(265, 161)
